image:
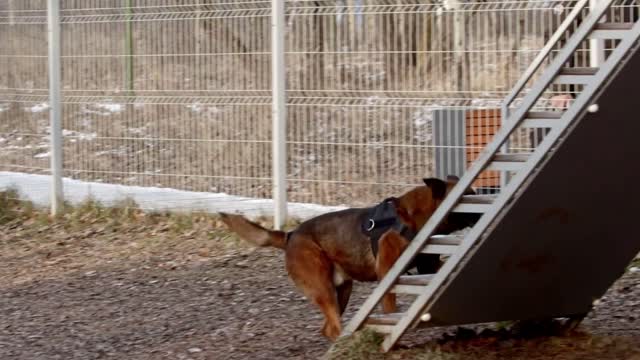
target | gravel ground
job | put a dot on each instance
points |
(105, 290)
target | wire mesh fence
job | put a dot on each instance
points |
(177, 93)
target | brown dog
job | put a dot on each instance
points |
(326, 253)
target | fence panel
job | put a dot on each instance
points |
(168, 94)
(177, 93)
(163, 93)
(24, 117)
(366, 76)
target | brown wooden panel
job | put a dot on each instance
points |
(478, 139)
(481, 126)
(484, 113)
(482, 129)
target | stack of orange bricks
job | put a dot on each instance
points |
(481, 126)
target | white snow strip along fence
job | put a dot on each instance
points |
(36, 188)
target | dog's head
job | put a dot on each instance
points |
(452, 180)
(416, 206)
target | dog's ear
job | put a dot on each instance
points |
(437, 186)
(452, 180)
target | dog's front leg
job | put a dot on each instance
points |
(390, 247)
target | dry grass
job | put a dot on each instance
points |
(541, 342)
(90, 234)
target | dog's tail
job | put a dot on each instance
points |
(253, 232)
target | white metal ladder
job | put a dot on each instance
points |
(521, 166)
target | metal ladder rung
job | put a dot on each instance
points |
(575, 75)
(614, 26)
(579, 71)
(608, 34)
(421, 280)
(471, 208)
(540, 123)
(511, 157)
(610, 30)
(504, 166)
(508, 162)
(478, 199)
(407, 289)
(446, 239)
(384, 319)
(476, 204)
(544, 115)
(439, 249)
(382, 329)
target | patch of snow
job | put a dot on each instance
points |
(38, 107)
(377, 76)
(492, 103)
(450, 5)
(558, 9)
(195, 107)
(199, 108)
(111, 107)
(371, 100)
(86, 136)
(42, 155)
(138, 131)
(77, 134)
(94, 112)
(35, 188)
(634, 269)
(16, 147)
(120, 151)
(422, 119)
(4, 107)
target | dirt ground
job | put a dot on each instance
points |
(124, 285)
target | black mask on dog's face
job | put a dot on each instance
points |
(437, 186)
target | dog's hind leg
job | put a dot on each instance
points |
(427, 263)
(390, 248)
(312, 272)
(344, 292)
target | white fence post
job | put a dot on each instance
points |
(12, 19)
(596, 46)
(279, 113)
(55, 112)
